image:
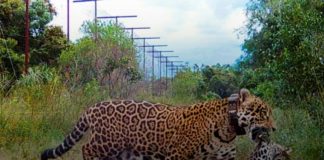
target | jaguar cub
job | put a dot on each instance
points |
(143, 130)
(267, 150)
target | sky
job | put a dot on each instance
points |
(199, 31)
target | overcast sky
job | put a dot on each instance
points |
(199, 31)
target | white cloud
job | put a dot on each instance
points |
(199, 31)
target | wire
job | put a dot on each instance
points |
(5, 42)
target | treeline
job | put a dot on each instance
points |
(105, 55)
(285, 45)
(284, 53)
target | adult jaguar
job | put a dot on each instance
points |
(143, 130)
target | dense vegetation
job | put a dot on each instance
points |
(283, 63)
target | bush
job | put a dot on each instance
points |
(185, 85)
(110, 59)
(218, 80)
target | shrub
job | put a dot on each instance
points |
(110, 59)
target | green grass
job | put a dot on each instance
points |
(39, 116)
(295, 129)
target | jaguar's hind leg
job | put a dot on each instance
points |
(88, 153)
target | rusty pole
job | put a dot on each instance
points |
(68, 21)
(26, 37)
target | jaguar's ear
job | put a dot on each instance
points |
(235, 95)
(233, 98)
(244, 93)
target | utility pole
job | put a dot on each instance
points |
(95, 14)
(68, 21)
(144, 49)
(160, 66)
(132, 32)
(153, 51)
(26, 37)
(135, 28)
(166, 68)
(176, 68)
(173, 67)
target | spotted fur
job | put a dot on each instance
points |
(267, 150)
(270, 151)
(143, 130)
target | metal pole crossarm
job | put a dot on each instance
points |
(170, 56)
(117, 17)
(76, 1)
(166, 62)
(174, 69)
(158, 51)
(132, 28)
(95, 16)
(154, 46)
(176, 61)
(144, 45)
(167, 51)
(174, 66)
(146, 38)
(113, 17)
(158, 57)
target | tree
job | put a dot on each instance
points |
(12, 19)
(185, 84)
(105, 54)
(46, 42)
(11, 61)
(288, 38)
(10, 35)
(41, 13)
(51, 43)
(218, 80)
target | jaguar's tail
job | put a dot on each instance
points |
(78, 131)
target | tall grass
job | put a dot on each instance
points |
(295, 129)
(40, 110)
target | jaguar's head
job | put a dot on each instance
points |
(253, 114)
